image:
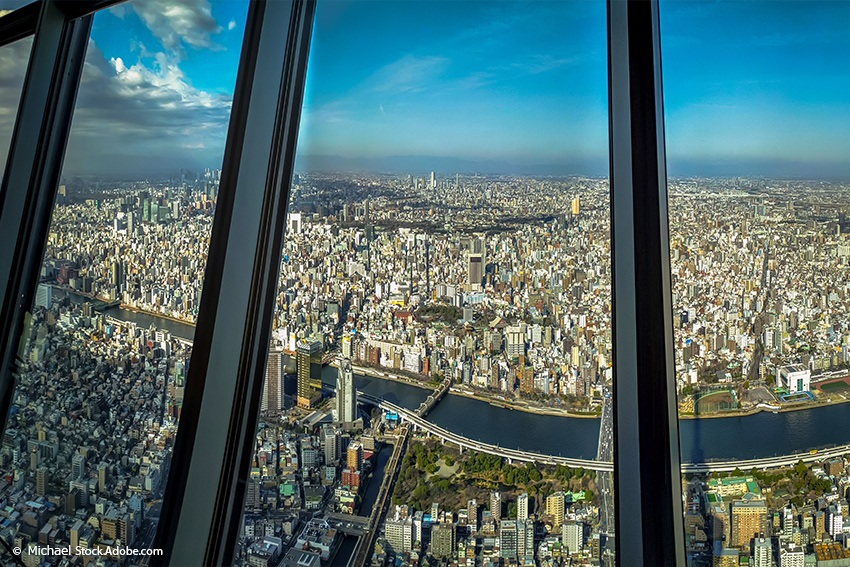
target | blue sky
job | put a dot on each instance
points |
(757, 88)
(751, 88)
(524, 82)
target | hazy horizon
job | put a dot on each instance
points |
(750, 89)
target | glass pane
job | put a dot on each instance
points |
(756, 123)
(448, 227)
(8, 6)
(13, 68)
(108, 341)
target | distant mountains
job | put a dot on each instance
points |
(420, 165)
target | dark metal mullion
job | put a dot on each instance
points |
(204, 495)
(196, 380)
(649, 531)
(231, 495)
(32, 173)
(22, 22)
(19, 24)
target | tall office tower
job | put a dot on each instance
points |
(576, 206)
(347, 347)
(346, 395)
(787, 522)
(555, 508)
(44, 296)
(294, 223)
(41, 481)
(522, 506)
(102, 476)
(331, 444)
(78, 467)
(475, 270)
(749, 520)
(366, 211)
(762, 553)
(355, 456)
(308, 355)
(476, 246)
(273, 383)
(572, 536)
(433, 180)
(525, 539)
(472, 510)
(443, 540)
(130, 219)
(836, 520)
(117, 276)
(508, 539)
(496, 505)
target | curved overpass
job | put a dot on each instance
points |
(421, 424)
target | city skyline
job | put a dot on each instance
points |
(751, 89)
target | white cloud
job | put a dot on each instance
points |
(13, 66)
(232, 25)
(175, 24)
(144, 118)
(408, 74)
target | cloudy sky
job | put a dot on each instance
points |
(751, 88)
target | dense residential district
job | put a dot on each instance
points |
(496, 288)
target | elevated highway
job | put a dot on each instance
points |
(366, 543)
(420, 424)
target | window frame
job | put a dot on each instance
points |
(646, 426)
(224, 387)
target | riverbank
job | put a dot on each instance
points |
(132, 309)
(513, 405)
(471, 394)
(756, 410)
(374, 373)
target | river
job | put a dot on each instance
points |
(728, 438)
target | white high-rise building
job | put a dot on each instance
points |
(44, 296)
(525, 539)
(346, 395)
(572, 536)
(522, 506)
(791, 555)
(78, 467)
(762, 552)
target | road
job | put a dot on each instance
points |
(604, 479)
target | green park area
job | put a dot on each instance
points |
(436, 473)
(836, 387)
(798, 485)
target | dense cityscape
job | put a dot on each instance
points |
(494, 288)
